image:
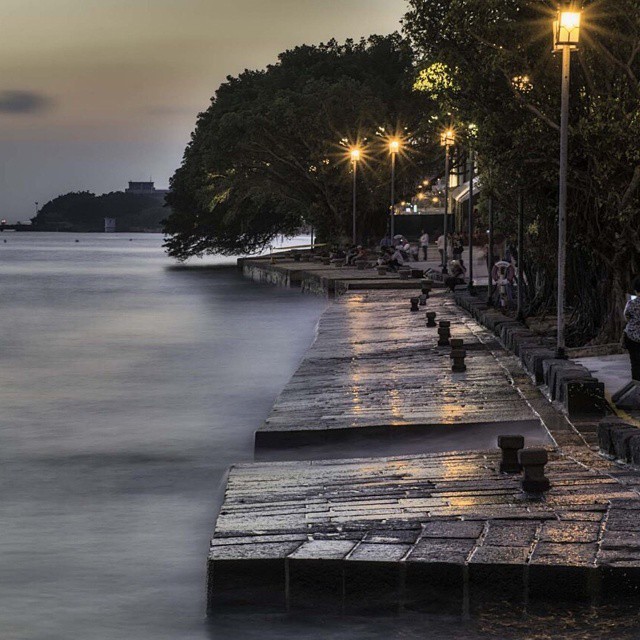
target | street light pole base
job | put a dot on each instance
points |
(472, 290)
(561, 353)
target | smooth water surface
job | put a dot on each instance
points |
(128, 385)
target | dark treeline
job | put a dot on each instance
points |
(265, 156)
(84, 211)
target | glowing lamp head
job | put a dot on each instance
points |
(355, 154)
(447, 138)
(394, 146)
(566, 29)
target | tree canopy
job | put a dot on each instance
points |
(502, 76)
(266, 156)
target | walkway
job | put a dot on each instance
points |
(375, 367)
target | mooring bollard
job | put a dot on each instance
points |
(444, 331)
(533, 462)
(414, 304)
(510, 446)
(458, 354)
(423, 300)
(426, 285)
(431, 319)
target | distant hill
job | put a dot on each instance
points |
(84, 211)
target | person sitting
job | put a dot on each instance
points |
(362, 254)
(457, 271)
(397, 260)
(351, 254)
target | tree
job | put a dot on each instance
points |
(506, 80)
(265, 157)
(84, 211)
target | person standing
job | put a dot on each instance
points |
(440, 245)
(424, 244)
(457, 246)
(632, 330)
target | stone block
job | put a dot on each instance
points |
(585, 398)
(534, 362)
(372, 588)
(547, 367)
(565, 371)
(620, 438)
(462, 529)
(316, 585)
(568, 375)
(510, 534)
(633, 448)
(628, 397)
(605, 428)
(247, 585)
(557, 583)
(434, 587)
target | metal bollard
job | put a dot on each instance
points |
(510, 446)
(458, 356)
(414, 304)
(444, 331)
(533, 462)
(423, 300)
(426, 285)
(431, 319)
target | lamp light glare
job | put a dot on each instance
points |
(447, 138)
(566, 28)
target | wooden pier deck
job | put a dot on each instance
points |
(375, 368)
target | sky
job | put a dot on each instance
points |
(94, 93)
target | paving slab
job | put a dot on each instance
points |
(375, 368)
(314, 520)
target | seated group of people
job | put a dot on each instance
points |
(392, 257)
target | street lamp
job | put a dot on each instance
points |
(354, 153)
(394, 148)
(566, 33)
(447, 140)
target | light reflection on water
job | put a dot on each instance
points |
(127, 387)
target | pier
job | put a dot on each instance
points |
(441, 531)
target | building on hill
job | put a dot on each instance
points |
(146, 189)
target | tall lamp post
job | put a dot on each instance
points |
(394, 148)
(355, 157)
(520, 307)
(471, 287)
(490, 256)
(447, 140)
(566, 32)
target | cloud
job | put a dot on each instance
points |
(21, 102)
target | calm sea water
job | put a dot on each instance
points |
(127, 386)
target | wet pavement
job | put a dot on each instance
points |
(424, 532)
(353, 535)
(376, 368)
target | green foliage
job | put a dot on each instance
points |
(507, 82)
(265, 157)
(84, 211)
